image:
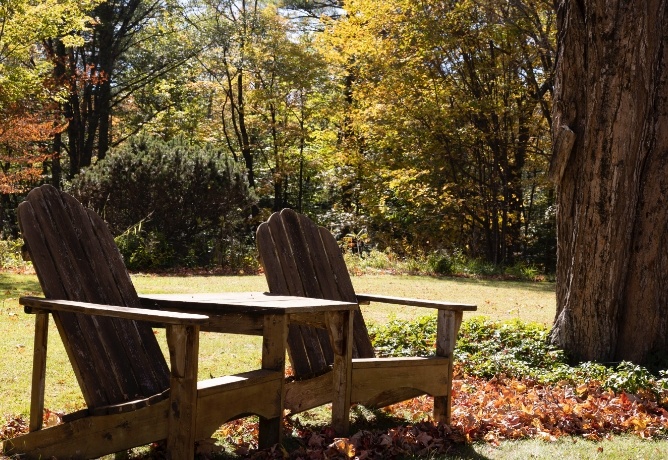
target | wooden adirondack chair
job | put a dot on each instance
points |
(133, 397)
(300, 258)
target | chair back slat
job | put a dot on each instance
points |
(75, 258)
(304, 348)
(362, 346)
(300, 258)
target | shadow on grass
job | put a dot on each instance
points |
(462, 451)
(298, 443)
(457, 452)
(536, 286)
(366, 420)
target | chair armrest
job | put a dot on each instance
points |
(365, 299)
(37, 304)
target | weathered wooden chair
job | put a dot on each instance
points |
(300, 258)
(133, 398)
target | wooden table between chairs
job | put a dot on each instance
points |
(258, 313)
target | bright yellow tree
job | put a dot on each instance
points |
(448, 122)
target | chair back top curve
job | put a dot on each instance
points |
(75, 258)
(303, 259)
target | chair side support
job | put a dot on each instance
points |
(39, 371)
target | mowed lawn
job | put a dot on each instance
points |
(222, 354)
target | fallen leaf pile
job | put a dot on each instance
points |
(422, 439)
(511, 409)
(490, 410)
(13, 427)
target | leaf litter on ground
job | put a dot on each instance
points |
(490, 410)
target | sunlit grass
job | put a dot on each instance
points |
(622, 447)
(222, 354)
(496, 299)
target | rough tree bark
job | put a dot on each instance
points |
(610, 166)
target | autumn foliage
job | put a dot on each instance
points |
(484, 410)
(25, 144)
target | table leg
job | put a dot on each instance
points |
(183, 343)
(340, 328)
(274, 339)
(448, 324)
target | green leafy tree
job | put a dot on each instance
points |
(29, 95)
(265, 81)
(132, 44)
(24, 25)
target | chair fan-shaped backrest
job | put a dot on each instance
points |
(300, 258)
(75, 257)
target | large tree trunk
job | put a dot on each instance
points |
(611, 173)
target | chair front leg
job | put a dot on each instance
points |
(183, 343)
(340, 328)
(274, 340)
(39, 371)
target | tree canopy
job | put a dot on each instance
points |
(423, 125)
(449, 118)
(29, 94)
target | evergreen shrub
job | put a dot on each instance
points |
(169, 204)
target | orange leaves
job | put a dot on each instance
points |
(340, 447)
(24, 137)
(512, 409)
(14, 427)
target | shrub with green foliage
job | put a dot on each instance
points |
(169, 203)
(404, 338)
(372, 260)
(487, 348)
(10, 255)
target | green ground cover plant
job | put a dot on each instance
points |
(488, 348)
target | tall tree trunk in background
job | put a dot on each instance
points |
(60, 74)
(610, 164)
(246, 149)
(108, 54)
(56, 171)
(90, 72)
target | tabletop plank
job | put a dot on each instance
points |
(246, 302)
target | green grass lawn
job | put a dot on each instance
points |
(222, 353)
(496, 299)
(624, 447)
